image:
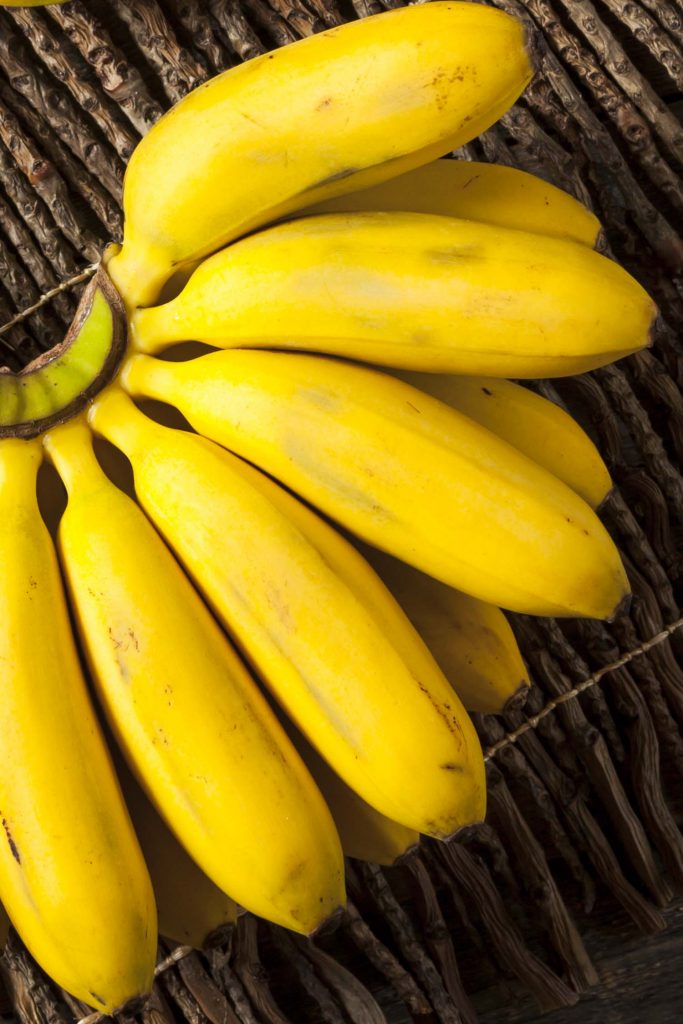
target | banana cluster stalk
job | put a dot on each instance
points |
(295, 202)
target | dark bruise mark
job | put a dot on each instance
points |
(10, 840)
(451, 721)
(487, 392)
(450, 767)
(248, 117)
(470, 181)
(98, 999)
(324, 103)
(454, 254)
(32, 583)
(414, 407)
(331, 178)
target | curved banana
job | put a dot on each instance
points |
(471, 640)
(402, 471)
(365, 833)
(191, 722)
(529, 422)
(492, 193)
(72, 877)
(402, 741)
(355, 105)
(192, 910)
(411, 290)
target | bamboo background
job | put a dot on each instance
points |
(583, 845)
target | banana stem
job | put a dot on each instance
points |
(59, 384)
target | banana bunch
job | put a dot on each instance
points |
(285, 688)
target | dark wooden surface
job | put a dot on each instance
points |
(641, 981)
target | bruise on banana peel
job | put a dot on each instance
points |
(62, 381)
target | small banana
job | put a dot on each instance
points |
(529, 422)
(411, 290)
(192, 910)
(471, 640)
(401, 740)
(492, 193)
(191, 722)
(404, 472)
(72, 877)
(337, 111)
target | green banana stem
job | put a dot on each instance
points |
(61, 382)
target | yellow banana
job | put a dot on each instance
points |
(365, 833)
(191, 722)
(72, 877)
(492, 193)
(354, 105)
(529, 422)
(192, 910)
(401, 741)
(411, 290)
(471, 640)
(402, 471)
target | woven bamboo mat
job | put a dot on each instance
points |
(583, 837)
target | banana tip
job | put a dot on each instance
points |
(518, 699)
(604, 502)
(656, 325)
(220, 936)
(601, 244)
(463, 834)
(132, 1006)
(622, 608)
(533, 44)
(407, 855)
(329, 925)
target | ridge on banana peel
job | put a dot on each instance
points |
(192, 910)
(72, 877)
(365, 833)
(187, 715)
(402, 471)
(469, 190)
(534, 425)
(411, 290)
(471, 641)
(402, 741)
(337, 111)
